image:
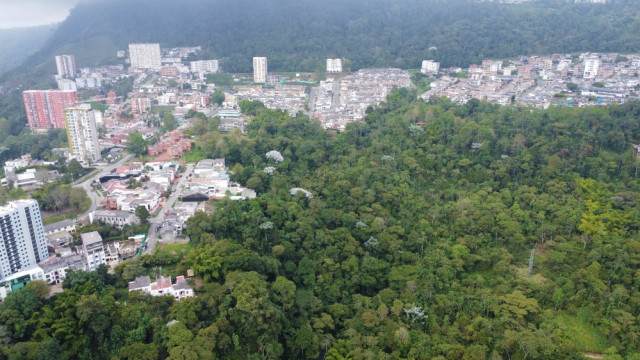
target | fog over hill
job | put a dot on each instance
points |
(18, 44)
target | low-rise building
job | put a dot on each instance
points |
(162, 286)
(13, 165)
(227, 125)
(18, 280)
(65, 225)
(55, 268)
(114, 218)
(111, 255)
(60, 238)
(430, 67)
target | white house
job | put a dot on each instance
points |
(162, 286)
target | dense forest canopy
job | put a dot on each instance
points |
(413, 244)
(298, 35)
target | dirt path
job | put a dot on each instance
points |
(589, 355)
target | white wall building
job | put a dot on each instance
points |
(88, 82)
(12, 165)
(66, 65)
(145, 56)
(591, 67)
(430, 67)
(162, 286)
(66, 84)
(260, 70)
(82, 133)
(204, 66)
(117, 219)
(22, 240)
(20, 279)
(93, 250)
(334, 65)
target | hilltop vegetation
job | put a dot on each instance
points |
(298, 35)
(414, 243)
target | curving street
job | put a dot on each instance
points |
(156, 222)
(95, 197)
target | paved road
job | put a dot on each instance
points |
(152, 236)
(96, 198)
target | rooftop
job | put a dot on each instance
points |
(59, 225)
(91, 238)
(139, 283)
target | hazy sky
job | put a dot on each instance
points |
(17, 13)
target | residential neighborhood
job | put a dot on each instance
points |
(167, 91)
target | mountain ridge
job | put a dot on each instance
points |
(300, 35)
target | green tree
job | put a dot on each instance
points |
(169, 122)
(217, 97)
(136, 144)
(143, 214)
(249, 107)
(77, 198)
(75, 169)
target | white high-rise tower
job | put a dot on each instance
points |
(334, 65)
(82, 133)
(145, 56)
(591, 67)
(22, 241)
(66, 65)
(260, 70)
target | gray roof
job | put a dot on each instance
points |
(109, 214)
(74, 261)
(187, 193)
(111, 249)
(210, 163)
(59, 237)
(59, 263)
(181, 285)
(59, 225)
(91, 238)
(139, 283)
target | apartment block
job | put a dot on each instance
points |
(93, 250)
(22, 240)
(66, 65)
(204, 66)
(145, 56)
(82, 133)
(591, 67)
(140, 105)
(430, 67)
(334, 65)
(66, 84)
(45, 108)
(260, 70)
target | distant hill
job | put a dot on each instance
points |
(19, 43)
(298, 35)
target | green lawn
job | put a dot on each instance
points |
(172, 249)
(166, 108)
(585, 336)
(196, 154)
